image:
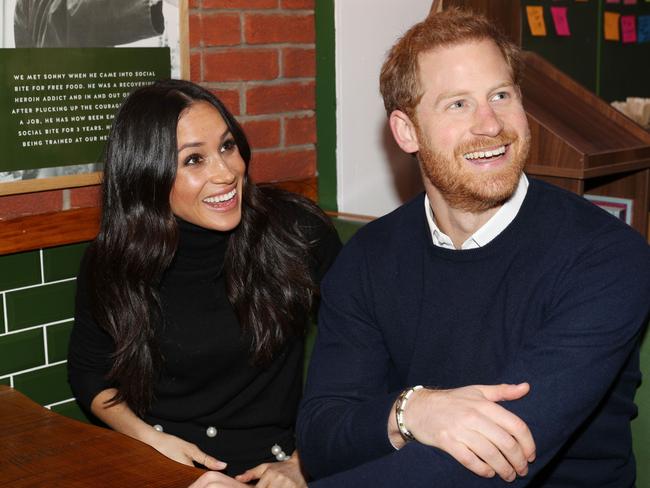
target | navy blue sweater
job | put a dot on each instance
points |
(558, 299)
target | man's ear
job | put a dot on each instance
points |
(403, 131)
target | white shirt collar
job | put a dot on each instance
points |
(488, 231)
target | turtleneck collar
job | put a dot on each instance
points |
(200, 251)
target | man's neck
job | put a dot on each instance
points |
(458, 224)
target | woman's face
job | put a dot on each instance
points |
(209, 180)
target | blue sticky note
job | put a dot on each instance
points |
(643, 26)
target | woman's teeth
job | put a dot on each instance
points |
(221, 198)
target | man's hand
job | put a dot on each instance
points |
(468, 424)
(285, 474)
(214, 479)
(182, 451)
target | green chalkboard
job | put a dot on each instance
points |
(57, 104)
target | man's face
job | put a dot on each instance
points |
(471, 128)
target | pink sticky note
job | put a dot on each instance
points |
(628, 28)
(629, 2)
(613, 1)
(561, 21)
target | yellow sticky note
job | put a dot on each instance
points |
(612, 31)
(535, 16)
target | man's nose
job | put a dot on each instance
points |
(486, 122)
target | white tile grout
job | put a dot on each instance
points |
(4, 311)
(56, 404)
(40, 284)
(42, 267)
(35, 368)
(47, 356)
(32, 327)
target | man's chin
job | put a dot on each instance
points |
(482, 194)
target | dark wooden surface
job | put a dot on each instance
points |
(40, 448)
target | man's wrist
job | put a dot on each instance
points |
(400, 407)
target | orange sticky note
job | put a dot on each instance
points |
(536, 23)
(612, 32)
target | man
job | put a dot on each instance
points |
(487, 278)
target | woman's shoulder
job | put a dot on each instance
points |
(295, 211)
(311, 225)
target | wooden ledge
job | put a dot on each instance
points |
(48, 230)
(82, 224)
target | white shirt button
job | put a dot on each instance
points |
(211, 432)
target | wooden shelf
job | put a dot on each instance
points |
(581, 143)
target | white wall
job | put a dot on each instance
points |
(373, 175)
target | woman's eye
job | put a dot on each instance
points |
(457, 104)
(501, 96)
(193, 159)
(228, 145)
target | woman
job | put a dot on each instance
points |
(193, 299)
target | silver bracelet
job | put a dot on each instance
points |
(400, 406)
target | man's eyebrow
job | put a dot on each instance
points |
(460, 93)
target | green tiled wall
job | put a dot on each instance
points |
(57, 341)
(37, 291)
(42, 304)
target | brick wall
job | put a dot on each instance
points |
(258, 56)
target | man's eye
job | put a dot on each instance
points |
(501, 96)
(457, 104)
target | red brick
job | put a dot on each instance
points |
(30, 204)
(230, 98)
(297, 4)
(266, 99)
(85, 196)
(262, 133)
(300, 130)
(274, 28)
(243, 4)
(267, 166)
(241, 65)
(220, 29)
(195, 30)
(195, 67)
(195, 3)
(298, 63)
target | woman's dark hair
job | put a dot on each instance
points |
(267, 259)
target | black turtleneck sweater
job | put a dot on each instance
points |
(207, 379)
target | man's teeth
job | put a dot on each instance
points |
(485, 154)
(221, 198)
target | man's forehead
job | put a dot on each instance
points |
(443, 49)
(457, 55)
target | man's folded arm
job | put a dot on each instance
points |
(592, 327)
(342, 420)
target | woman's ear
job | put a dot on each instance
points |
(403, 131)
